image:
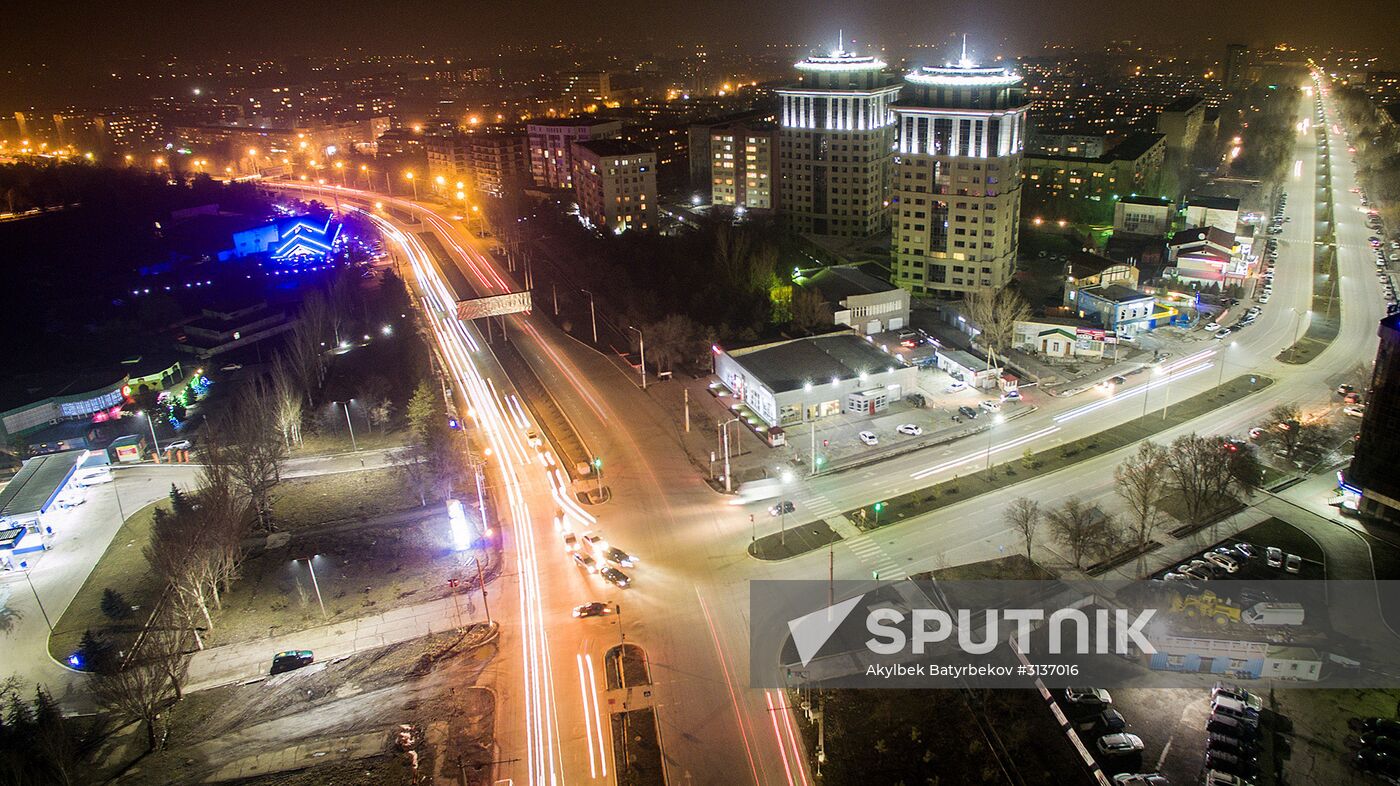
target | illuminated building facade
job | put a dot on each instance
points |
(615, 183)
(551, 141)
(744, 165)
(957, 178)
(834, 150)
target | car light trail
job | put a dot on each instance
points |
(1164, 376)
(777, 732)
(981, 455)
(587, 719)
(500, 431)
(597, 715)
(728, 683)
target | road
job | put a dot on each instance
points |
(688, 606)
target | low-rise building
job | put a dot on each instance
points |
(223, 329)
(1207, 256)
(1087, 269)
(861, 301)
(967, 367)
(1060, 337)
(1143, 215)
(806, 379)
(615, 183)
(1208, 211)
(96, 396)
(1115, 307)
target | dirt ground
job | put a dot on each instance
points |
(298, 503)
(359, 570)
(1319, 717)
(336, 722)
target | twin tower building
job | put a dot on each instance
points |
(934, 155)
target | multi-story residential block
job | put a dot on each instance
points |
(1066, 186)
(586, 87)
(744, 165)
(447, 157)
(551, 153)
(615, 184)
(698, 143)
(498, 161)
(835, 143)
(957, 178)
(1371, 478)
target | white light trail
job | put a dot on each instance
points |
(981, 455)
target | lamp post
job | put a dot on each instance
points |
(728, 483)
(409, 176)
(1297, 331)
(1220, 378)
(592, 315)
(1167, 391)
(155, 443)
(317, 587)
(996, 421)
(36, 600)
(346, 406)
(642, 342)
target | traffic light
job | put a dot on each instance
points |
(452, 583)
(826, 443)
(879, 506)
(597, 462)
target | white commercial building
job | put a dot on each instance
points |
(807, 379)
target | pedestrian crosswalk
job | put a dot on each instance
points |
(861, 545)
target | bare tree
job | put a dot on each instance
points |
(1207, 471)
(1141, 482)
(673, 339)
(1291, 432)
(1082, 528)
(137, 693)
(412, 465)
(1024, 516)
(286, 398)
(177, 554)
(165, 646)
(253, 451)
(809, 310)
(996, 314)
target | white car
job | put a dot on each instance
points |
(179, 444)
(71, 502)
(1356, 412)
(1221, 561)
(955, 386)
(1120, 744)
(1264, 299)
(1088, 697)
(990, 406)
(869, 438)
(1212, 326)
(910, 429)
(232, 367)
(1274, 556)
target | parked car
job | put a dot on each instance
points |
(232, 367)
(1120, 744)
(955, 386)
(1355, 411)
(1111, 720)
(1293, 563)
(869, 438)
(1141, 779)
(1255, 432)
(1246, 549)
(1241, 764)
(1378, 762)
(910, 429)
(179, 444)
(292, 660)
(1273, 555)
(1192, 572)
(1088, 697)
(71, 502)
(1211, 326)
(990, 406)
(1221, 561)
(967, 412)
(1011, 395)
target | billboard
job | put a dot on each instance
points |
(494, 305)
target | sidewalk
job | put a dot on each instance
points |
(246, 660)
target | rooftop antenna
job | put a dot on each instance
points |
(841, 40)
(963, 61)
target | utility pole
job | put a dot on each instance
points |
(687, 409)
(592, 315)
(481, 579)
(641, 342)
(36, 600)
(317, 587)
(353, 445)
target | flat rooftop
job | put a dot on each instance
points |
(791, 364)
(37, 483)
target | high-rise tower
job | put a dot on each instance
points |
(957, 178)
(834, 148)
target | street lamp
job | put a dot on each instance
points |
(728, 483)
(150, 421)
(409, 176)
(642, 342)
(1297, 331)
(996, 421)
(317, 587)
(1220, 378)
(346, 405)
(592, 315)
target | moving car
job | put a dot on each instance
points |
(1088, 697)
(910, 429)
(617, 556)
(991, 406)
(1120, 744)
(595, 609)
(292, 660)
(1223, 332)
(232, 367)
(586, 562)
(1255, 432)
(570, 542)
(1011, 395)
(779, 509)
(615, 577)
(533, 437)
(869, 438)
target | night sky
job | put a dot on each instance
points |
(89, 32)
